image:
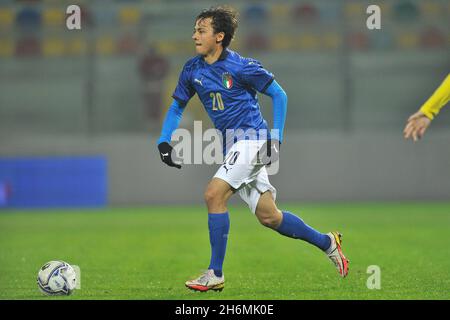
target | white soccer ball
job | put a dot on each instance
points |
(56, 278)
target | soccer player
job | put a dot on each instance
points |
(418, 123)
(227, 84)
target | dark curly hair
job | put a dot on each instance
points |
(223, 19)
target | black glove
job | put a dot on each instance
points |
(165, 151)
(269, 152)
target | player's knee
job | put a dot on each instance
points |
(208, 196)
(270, 220)
(212, 197)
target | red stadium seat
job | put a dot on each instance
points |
(28, 46)
(432, 38)
(358, 41)
(306, 13)
(257, 41)
(127, 44)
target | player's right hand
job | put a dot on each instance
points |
(165, 152)
(416, 126)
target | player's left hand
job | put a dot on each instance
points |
(165, 152)
(416, 126)
(269, 152)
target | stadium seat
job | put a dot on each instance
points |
(164, 47)
(432, 38)
(430, 9)
(331, 41)
(127, 44)
(28, 46)
(257, 41)
(184, 46)
(6, 47)
(255, 13)
(406, 11)
(280, 11)
(29, 18)
(105, 45)
(173, 47)
(329, 12)
(407, 40)
(129, 16)
(105, 17)
(308, 41)
(53, 17)
(358, 41)
(282, 42)
(6, 17)
(76, 46)
(354, 10)
(53, 47)
(305, 13)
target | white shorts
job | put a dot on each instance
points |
(241, 171)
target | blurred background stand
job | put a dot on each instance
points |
(104, 90)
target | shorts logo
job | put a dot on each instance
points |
(227, 80)
(225, 167)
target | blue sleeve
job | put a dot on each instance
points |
(171, 122)
(255, 76)
(279, 100)
(184, 90)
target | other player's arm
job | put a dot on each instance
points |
(171, 123)
(418, 123)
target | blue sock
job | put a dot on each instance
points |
(294, 227)
(219, 225)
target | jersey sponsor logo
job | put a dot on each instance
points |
(227, 80)
(199, 81)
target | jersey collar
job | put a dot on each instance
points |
(222, 56)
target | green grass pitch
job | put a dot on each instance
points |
(148, 253)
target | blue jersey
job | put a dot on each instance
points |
(227, 89)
